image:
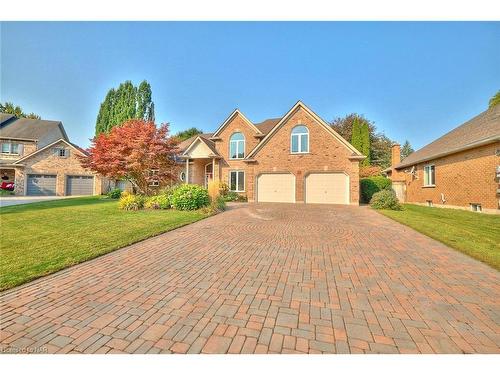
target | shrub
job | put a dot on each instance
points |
(232, 196)
(217, 205)
(370, 171)
(385, 200)
(372, 185)
(157, 202)
(190, 197)
(131, 202)
(115, 193)
(223, 189)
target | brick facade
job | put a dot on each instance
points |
(325, 154)
(45, 162)
(465, 177)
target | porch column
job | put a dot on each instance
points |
(187, 171)
(213, 169)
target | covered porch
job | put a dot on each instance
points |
(201, 164)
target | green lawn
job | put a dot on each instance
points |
(41, 238)
(475, 234)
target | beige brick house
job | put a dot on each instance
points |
(37, 156)
(461, 169)
(296, 158)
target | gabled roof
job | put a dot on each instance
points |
(43, 132)
(266, 125)
(231, 116)
(210, 144)
(75, 147)
(482, 129)
(328, 128)
(187, 142)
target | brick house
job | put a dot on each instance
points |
(296, 158)
(461, 169)
(39, 158)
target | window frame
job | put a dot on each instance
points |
(10, 146)
(237, 142)
(237, 171)
(299, 140)
(428, 175)
(183, 179)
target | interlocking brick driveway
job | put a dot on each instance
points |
(265, 279)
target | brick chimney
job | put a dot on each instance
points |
(395, 154)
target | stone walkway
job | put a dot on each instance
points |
(271, 278)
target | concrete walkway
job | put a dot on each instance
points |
(272, 278)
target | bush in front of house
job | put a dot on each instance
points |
(232, 196)
(386, 200)
(216, 206)
(158, 202)
(115, 193)
(371, 185)
(190, 197)
(131, 202)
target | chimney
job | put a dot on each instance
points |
(395, 154)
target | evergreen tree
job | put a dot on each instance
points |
(406, 150)
(125, 103)
(188, 133)
(494, 100)
(365, 143)
(356, 134)
(17, 111)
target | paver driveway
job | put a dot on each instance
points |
(270, 278)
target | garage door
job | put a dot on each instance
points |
(41, 184)
(331, 188)
(276, 187)
(80, 185)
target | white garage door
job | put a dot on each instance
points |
(276, 187)
(331, 188)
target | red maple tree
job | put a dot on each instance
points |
(137, 151)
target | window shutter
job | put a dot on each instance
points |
(20, 149)
(66, 153)
(55, 151)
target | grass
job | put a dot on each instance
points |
(41, 238)
(475, 234)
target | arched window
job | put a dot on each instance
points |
(237, 146)
(300, 140)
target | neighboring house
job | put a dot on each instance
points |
(295, 158)
(459, 170)
(39, 158)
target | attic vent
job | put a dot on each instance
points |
(497, 152)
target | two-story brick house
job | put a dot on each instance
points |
(294, 158)
(37, 156)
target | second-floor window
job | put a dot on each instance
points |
(299, 140)
(237, 146)
(61, 152)
(10, 148)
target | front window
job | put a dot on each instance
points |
(429, 175)
(237, 146)
(10, 148)
(61, 152)
(182, 176)
(300, 140)
(237, 181)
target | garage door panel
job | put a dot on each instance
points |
(276, 187)
(40, 184)
(80, 185)
(327, 188)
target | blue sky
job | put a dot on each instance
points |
(415, 80)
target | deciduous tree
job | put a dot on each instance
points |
(188, 133)
(137, 151)
(17, 111)
(495, 100)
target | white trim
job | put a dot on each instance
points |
(230, 117)
(205, 182)
(299, 143)
(433, 184)
(237, 180)
(48, 146)
(237, 141)
(318, 119)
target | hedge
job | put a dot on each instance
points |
(372, 185)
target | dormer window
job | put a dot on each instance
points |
(10, 148)
(61, 152)
(299, 140)
(237, 146)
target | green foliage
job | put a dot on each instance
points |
(385, 200)
(365, 143)
(356, 134)
(190, 197)
(125, 103)
(371, 185)
(157, 202)
(17, 111)
(131, 202)
(495, 100)
(217, 205)
(115, 193)
(188, 133)
(406, 150)
(5, 192)
(232, 196)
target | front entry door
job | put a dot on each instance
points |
(208, 174)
